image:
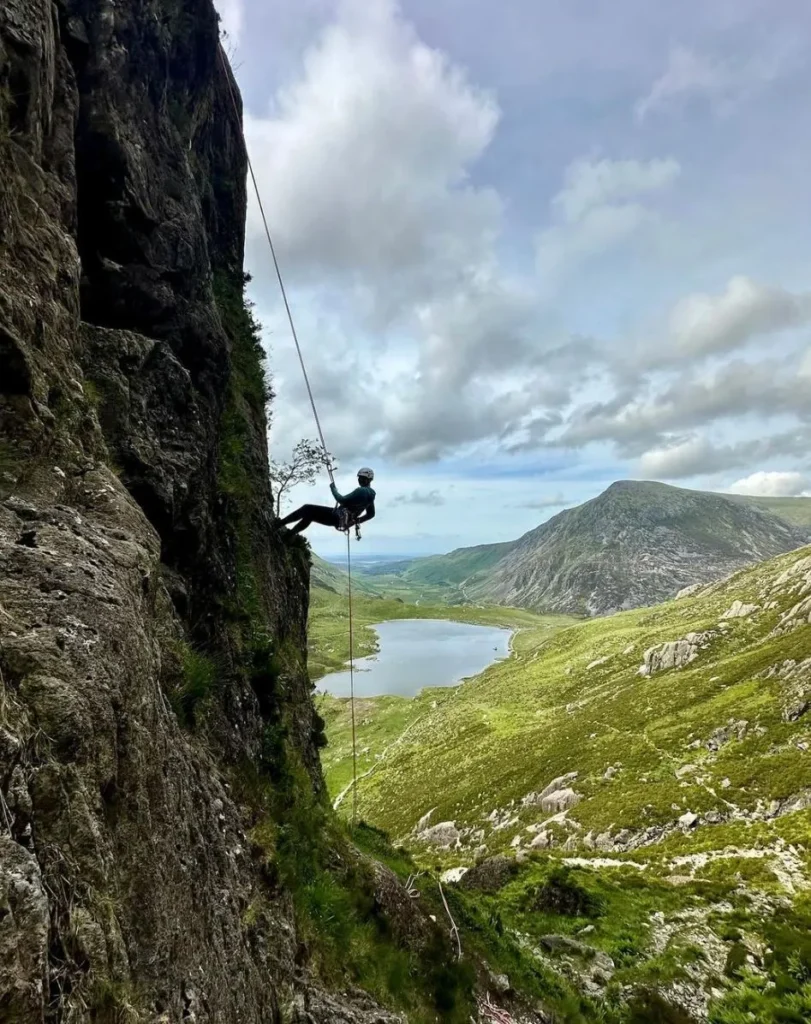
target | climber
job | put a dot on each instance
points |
(353, 509)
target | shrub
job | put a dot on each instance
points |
(561, 893)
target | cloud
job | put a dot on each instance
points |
(702, 324)
(771, 484)
(697, 455)
(684, 458)
(588, 184)
(433, 498)
(547, 502)
(721, 83)
(597, 209)
(365, 158)
(365, 163)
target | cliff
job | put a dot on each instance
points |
(162, 816)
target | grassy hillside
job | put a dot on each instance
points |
(329, 624)
(796, 511)
(457, 566)
(682, 847)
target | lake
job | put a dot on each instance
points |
(418, 653)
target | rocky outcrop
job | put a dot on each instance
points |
(740, 610)
(156, 726)
(674, 653)
(444, 834)
(542, 798)
(491, 875)
(795, 682)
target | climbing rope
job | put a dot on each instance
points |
(352, 685)
(227, 72)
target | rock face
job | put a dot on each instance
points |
(674, 653)
(152, 628)
(636, 544)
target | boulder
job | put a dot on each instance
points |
(537, 799)
(542, 841)
(560, 800)
(444, 834)
(491, 875)
(674, 653)
(739, 610)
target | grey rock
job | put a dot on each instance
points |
(560, 800)
(24, 930)
(444, 834)
(739, 610)
(674, 653)
(491, 875)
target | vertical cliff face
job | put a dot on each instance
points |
(154, 701)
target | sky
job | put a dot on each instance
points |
(531, 248)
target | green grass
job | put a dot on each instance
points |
(796, 511)
(465, 752)
(199, 677)
(329, 623)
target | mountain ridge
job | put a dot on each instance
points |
(581, 562)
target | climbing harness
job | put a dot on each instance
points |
(346, 520)
(349, 523)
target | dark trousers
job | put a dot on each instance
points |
(309, 514)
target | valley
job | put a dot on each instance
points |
(629, 797)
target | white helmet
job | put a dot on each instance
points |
(366, 473)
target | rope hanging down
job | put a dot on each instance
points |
(227, 72)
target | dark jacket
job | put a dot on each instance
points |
(360, 502)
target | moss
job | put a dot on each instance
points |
(198, 682)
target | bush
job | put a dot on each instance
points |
(561, 893)
(648, 1007)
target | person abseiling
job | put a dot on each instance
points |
(353, 509)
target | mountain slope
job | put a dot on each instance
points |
(632, 793)
(457, 566)
(635, 544)
(796, 511)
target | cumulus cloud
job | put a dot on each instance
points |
(697, 455)
(597, 209)
(365, 163)
(365, 158)
(682, 459)
(772, 484)
(702, 324)
(594, 183)
(723, 84)
(433, 498)
(424, 342)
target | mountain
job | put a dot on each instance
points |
(629, 796)
(635, 544)
(796, 511)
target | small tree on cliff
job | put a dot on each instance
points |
(304, 465)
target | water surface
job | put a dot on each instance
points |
(416, 653)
